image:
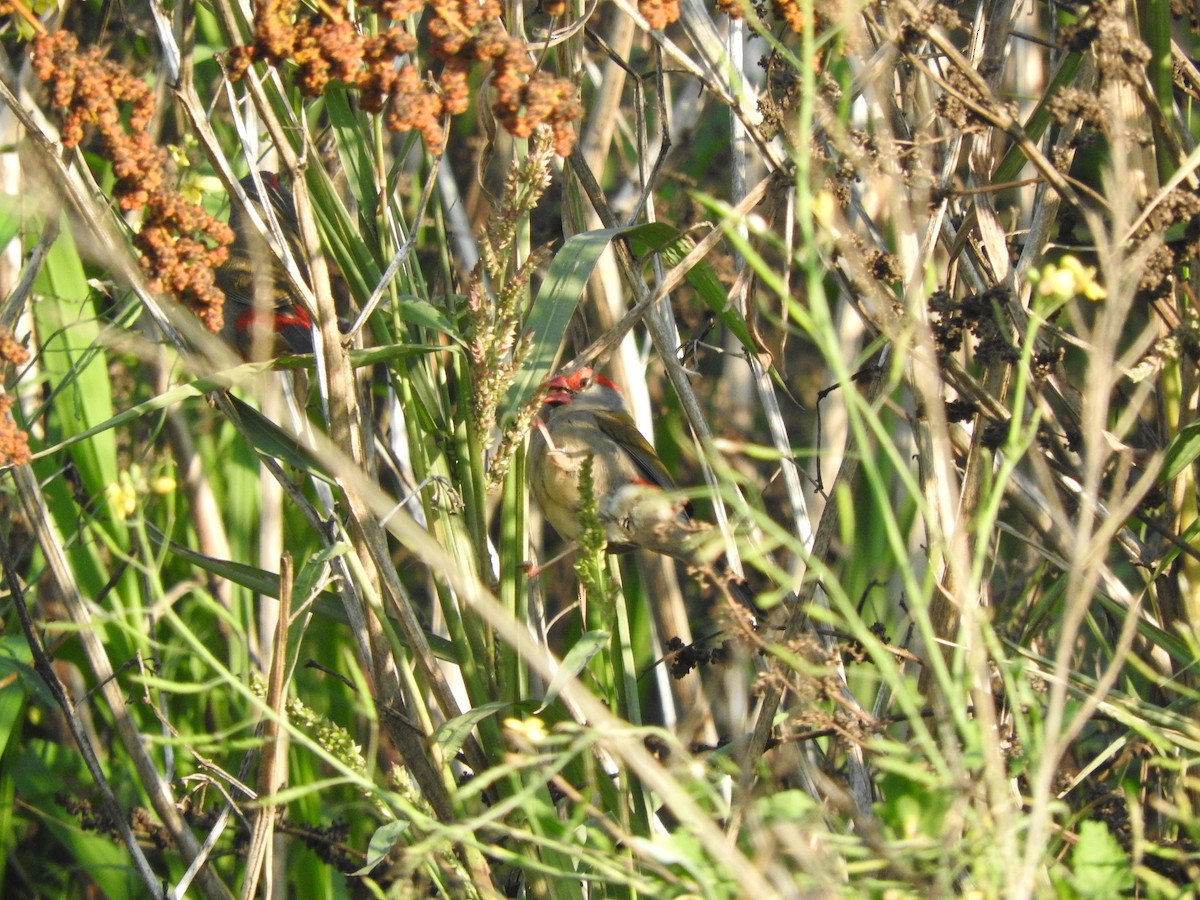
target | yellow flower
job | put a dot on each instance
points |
(122, 497)
(532, 729)
(1066, 279)
(162, 484)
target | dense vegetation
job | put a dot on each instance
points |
(906, 294)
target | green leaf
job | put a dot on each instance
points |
(911, 808)
(1181, 451)
(76, 371)
(350, 125)
(451, 735)
(15, 669)
(669, 243)
(266, 584)
(1100, 867)
(374, 355)
(786, 806)
(1037, 121)
(40, 769)
(589, 644)
(254, 579)
(270, 440)
(566, 278)
(420, 312)
(306, 587)
(17, 660)
(382, 842)
(342, 236)
(197, 388)
(10, 217)
(311, 573)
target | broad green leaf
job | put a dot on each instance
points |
(667, 242)
(1100, 867)
(1182, 451)
(589, 644)
(1037, 121)
(197, 388)
(266, 584)
(59, 833)
(420, 312)
(382, 842)
(270, 440)
(225, 380)
(786, 806)
(451, 735)
(913, 807)
(374, 355)
(19, 680)
(76, 372)
(10, 217)
(566, 279)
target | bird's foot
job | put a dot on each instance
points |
(533, 570)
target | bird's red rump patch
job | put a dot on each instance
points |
(284, 318)
(246, 320)
(294, 315)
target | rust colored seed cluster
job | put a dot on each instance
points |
(329, 46)
(10, 350)
(525, 98)
(182, 246)
(462, 34)
(180, 243)
(14, 443)
(791, 12)
(659, 13)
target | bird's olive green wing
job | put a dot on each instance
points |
(239, 276)
(622, 430)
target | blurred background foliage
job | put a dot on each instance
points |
(905, 294)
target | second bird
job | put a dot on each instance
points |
(262, 317)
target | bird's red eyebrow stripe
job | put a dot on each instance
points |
(607, 382)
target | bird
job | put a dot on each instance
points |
(262, 315)
(637, 500)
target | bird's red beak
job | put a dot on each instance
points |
(560, 392)
(563, 388)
